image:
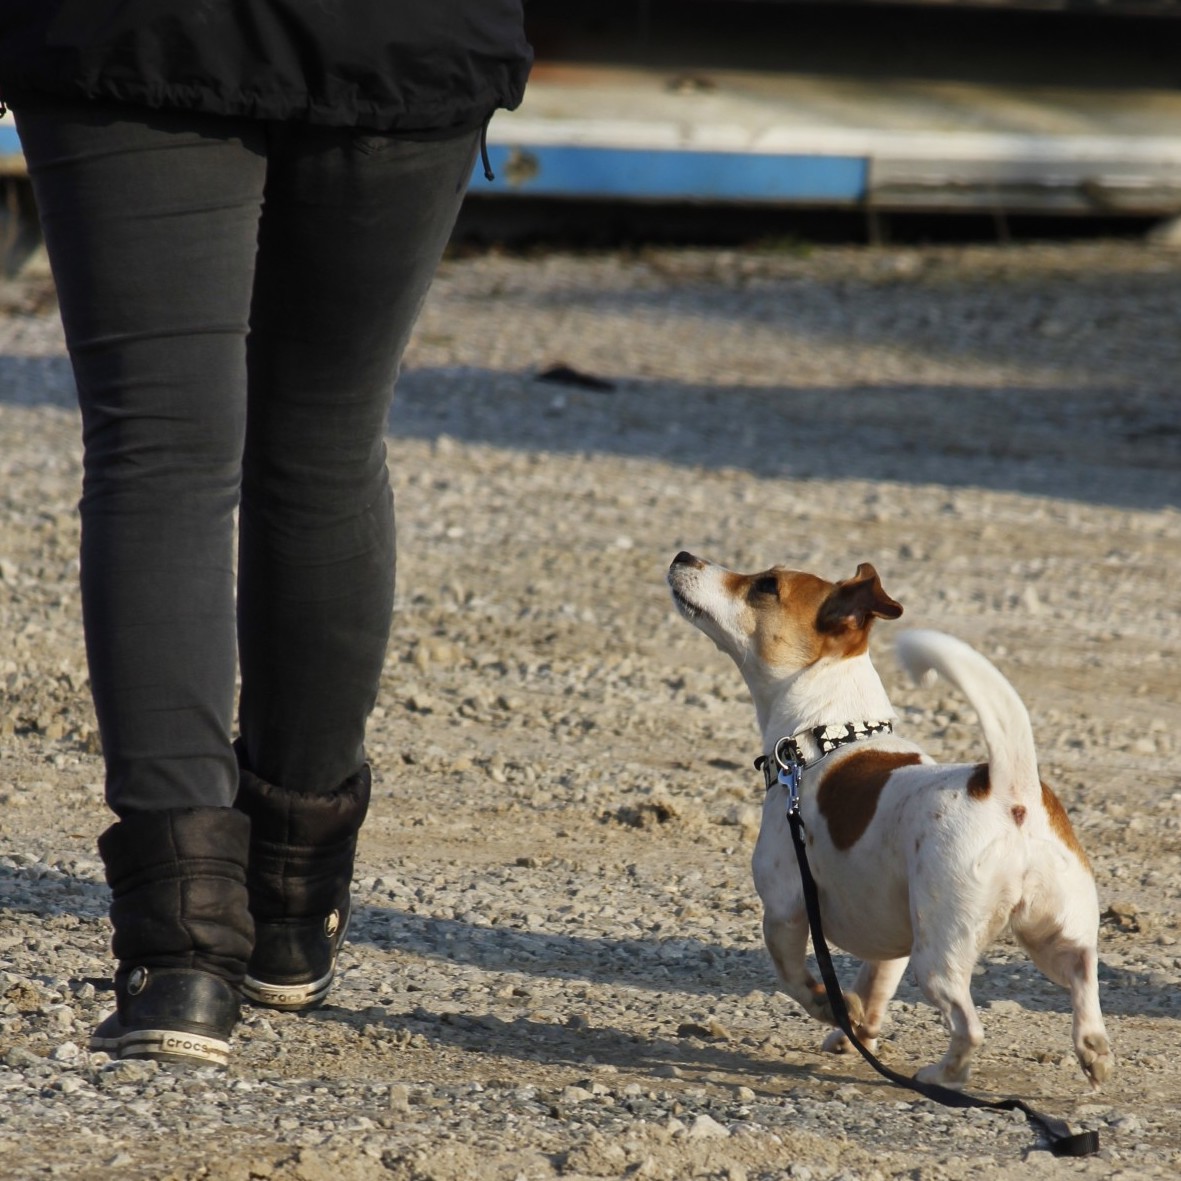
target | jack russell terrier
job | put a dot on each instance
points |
(912, 859)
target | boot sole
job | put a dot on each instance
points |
(165, 1045)
(287, 996)
(305, 995)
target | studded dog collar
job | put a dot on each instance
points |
(796, 751)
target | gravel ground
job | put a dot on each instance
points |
(556, 968)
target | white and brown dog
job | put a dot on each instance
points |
(912, 859)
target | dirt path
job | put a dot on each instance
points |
(556, 968)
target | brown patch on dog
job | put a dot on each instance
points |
(848, 794)
(797, 618)
(1061, 825)
(736, 585)
(847, 615)
(782, 620)
(979, 784)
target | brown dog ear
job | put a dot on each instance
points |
(855, 603)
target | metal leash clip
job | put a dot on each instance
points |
(789, 773)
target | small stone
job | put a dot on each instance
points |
(1006, 1007)
(705, 1127)
(1124, 916)
(66, 1052)
(131, 1070)
(18, 1058)
(262, 1029)
(60, 1016)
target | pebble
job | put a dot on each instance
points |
(705, 1127)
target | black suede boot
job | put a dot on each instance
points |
(183, 933)
(301, 867)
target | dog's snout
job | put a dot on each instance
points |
(684, 558)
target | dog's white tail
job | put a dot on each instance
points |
(1012, 758)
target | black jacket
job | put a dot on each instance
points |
(428, 67)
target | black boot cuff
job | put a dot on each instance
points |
(283, 817)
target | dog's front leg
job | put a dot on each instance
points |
(786, 936)
(875, 985)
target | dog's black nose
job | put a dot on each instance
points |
(684, 558)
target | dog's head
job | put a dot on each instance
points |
(778, 622)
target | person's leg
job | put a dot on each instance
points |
(151, 226)
(352, 232)
(353, 229)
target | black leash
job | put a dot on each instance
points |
(1061, 1140)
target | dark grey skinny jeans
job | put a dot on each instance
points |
(236, 297)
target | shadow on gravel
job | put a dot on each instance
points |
(37, 381)
(1101, 446)
(526, 1039)
(698, 968)
(39, 894)
(682, 965)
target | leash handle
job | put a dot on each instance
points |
(1061, 1140)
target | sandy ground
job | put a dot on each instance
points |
(556, 968)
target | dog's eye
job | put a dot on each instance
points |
(767, 585)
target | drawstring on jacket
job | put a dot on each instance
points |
(488, 173)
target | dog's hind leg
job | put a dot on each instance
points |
(787, 940)
(1061, 940)
(946, 982)
(875, 985)
(1081, 967)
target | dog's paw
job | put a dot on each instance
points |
(853, 1006)
(838, 1043)
(936, 1073)
(1096, 1059)
(822, 1010)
